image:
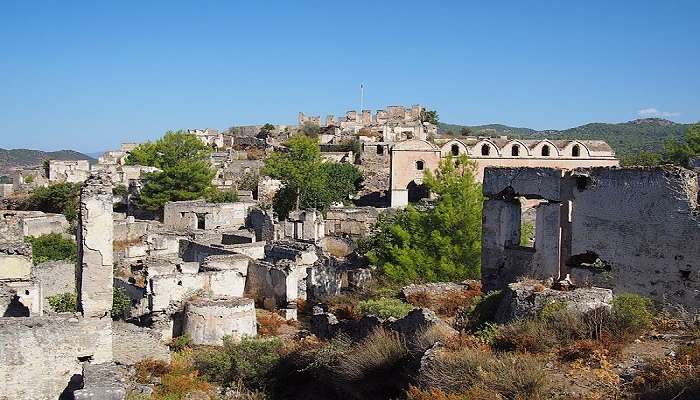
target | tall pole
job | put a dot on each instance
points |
(362, 96)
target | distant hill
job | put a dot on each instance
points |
(24, 158)
(625, 138)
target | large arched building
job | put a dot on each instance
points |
(410, 158)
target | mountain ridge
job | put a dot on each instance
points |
(27, 158)
(626, 138)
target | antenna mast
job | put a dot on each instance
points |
(362, 96)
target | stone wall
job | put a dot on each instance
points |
(132, 344)
(627, 229)
(350, 221)
(39, 355)
(198, 214)
(54, 277)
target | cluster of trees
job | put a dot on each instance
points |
(58, 198)
(309, 181)
(440, 243)
(674, 151)
(185, 171)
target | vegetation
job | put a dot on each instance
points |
(249, 361)
(222, 196)
(60, 198)
(64, 302)
(429, 116)
(680, 153)
(384, 307)
(120, 190)
(185, 171)
(627, 139)
(632, 312)
(442, 243)
(309, 182)
(121, 303)
(527, 233)
(52, 247)
(310, 130)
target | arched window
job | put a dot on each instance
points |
(576, 151)
(419, 165)
(515, 150)
(455, 150)
(485, 150)
(545, 151)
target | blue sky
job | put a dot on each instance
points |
(89, 75)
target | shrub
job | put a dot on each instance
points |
(222, 196)
(64, 302)
(248, 361)
(120, 190)
(57, 198)
(455, 371)
(667, 378)
(451, 301)
(382, 351)
(269, 323)
(420, 299)
(631, 313)
(518, 376)
(385, 307)
(148, 369)
(121, 303)
(181, 380)
(525, 335)
(564, 324)
(52, 246)
(180, 343)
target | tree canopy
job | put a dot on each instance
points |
(309, 181)
(680, 153)
(429, 116)
(185, 170)
(440, 243)
(59, 198)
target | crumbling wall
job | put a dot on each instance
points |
(39, 355)
(132, 344)
(627, 229)
(54, 277)
(352, 221)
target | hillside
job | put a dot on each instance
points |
(14, 158)
(625, 138)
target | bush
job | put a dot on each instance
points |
(180, 343)
(249, 361)
(519, 376)
(120, 191)
(385, 307)
(269, 323)
(64, 302)
(52, 246)
(455, 371)
(148, 369)
(121, 303)
(631, 313)
(532, 336)
(222, 196)
(61, 198)
(381, 352)
(181, 380)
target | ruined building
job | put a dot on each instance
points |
(410, 159)
(394, 124)
(629, 229)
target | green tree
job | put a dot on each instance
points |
(61, 198)
(440, 243)
(465, 131)
(311, 130)
(681, 153)
(52, 247)
(222, 196)
(185, 173)
(309, 181)
(429, 116)
(643, 158)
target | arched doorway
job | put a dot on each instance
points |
(416, 192)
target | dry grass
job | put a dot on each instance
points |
(414, 393)
(255, 153)
(182, 380)
(269, 324)
(420, 299)
(531, 336)
(148, 369)
(446, 303)
(381, 351)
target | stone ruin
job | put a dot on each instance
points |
(626, 229)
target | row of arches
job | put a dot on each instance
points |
(515, 149)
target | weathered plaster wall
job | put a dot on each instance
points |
(39, 355)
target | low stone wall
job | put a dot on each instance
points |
(350, 221)
(39, 355)
(132, 344)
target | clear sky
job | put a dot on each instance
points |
(89, 75)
